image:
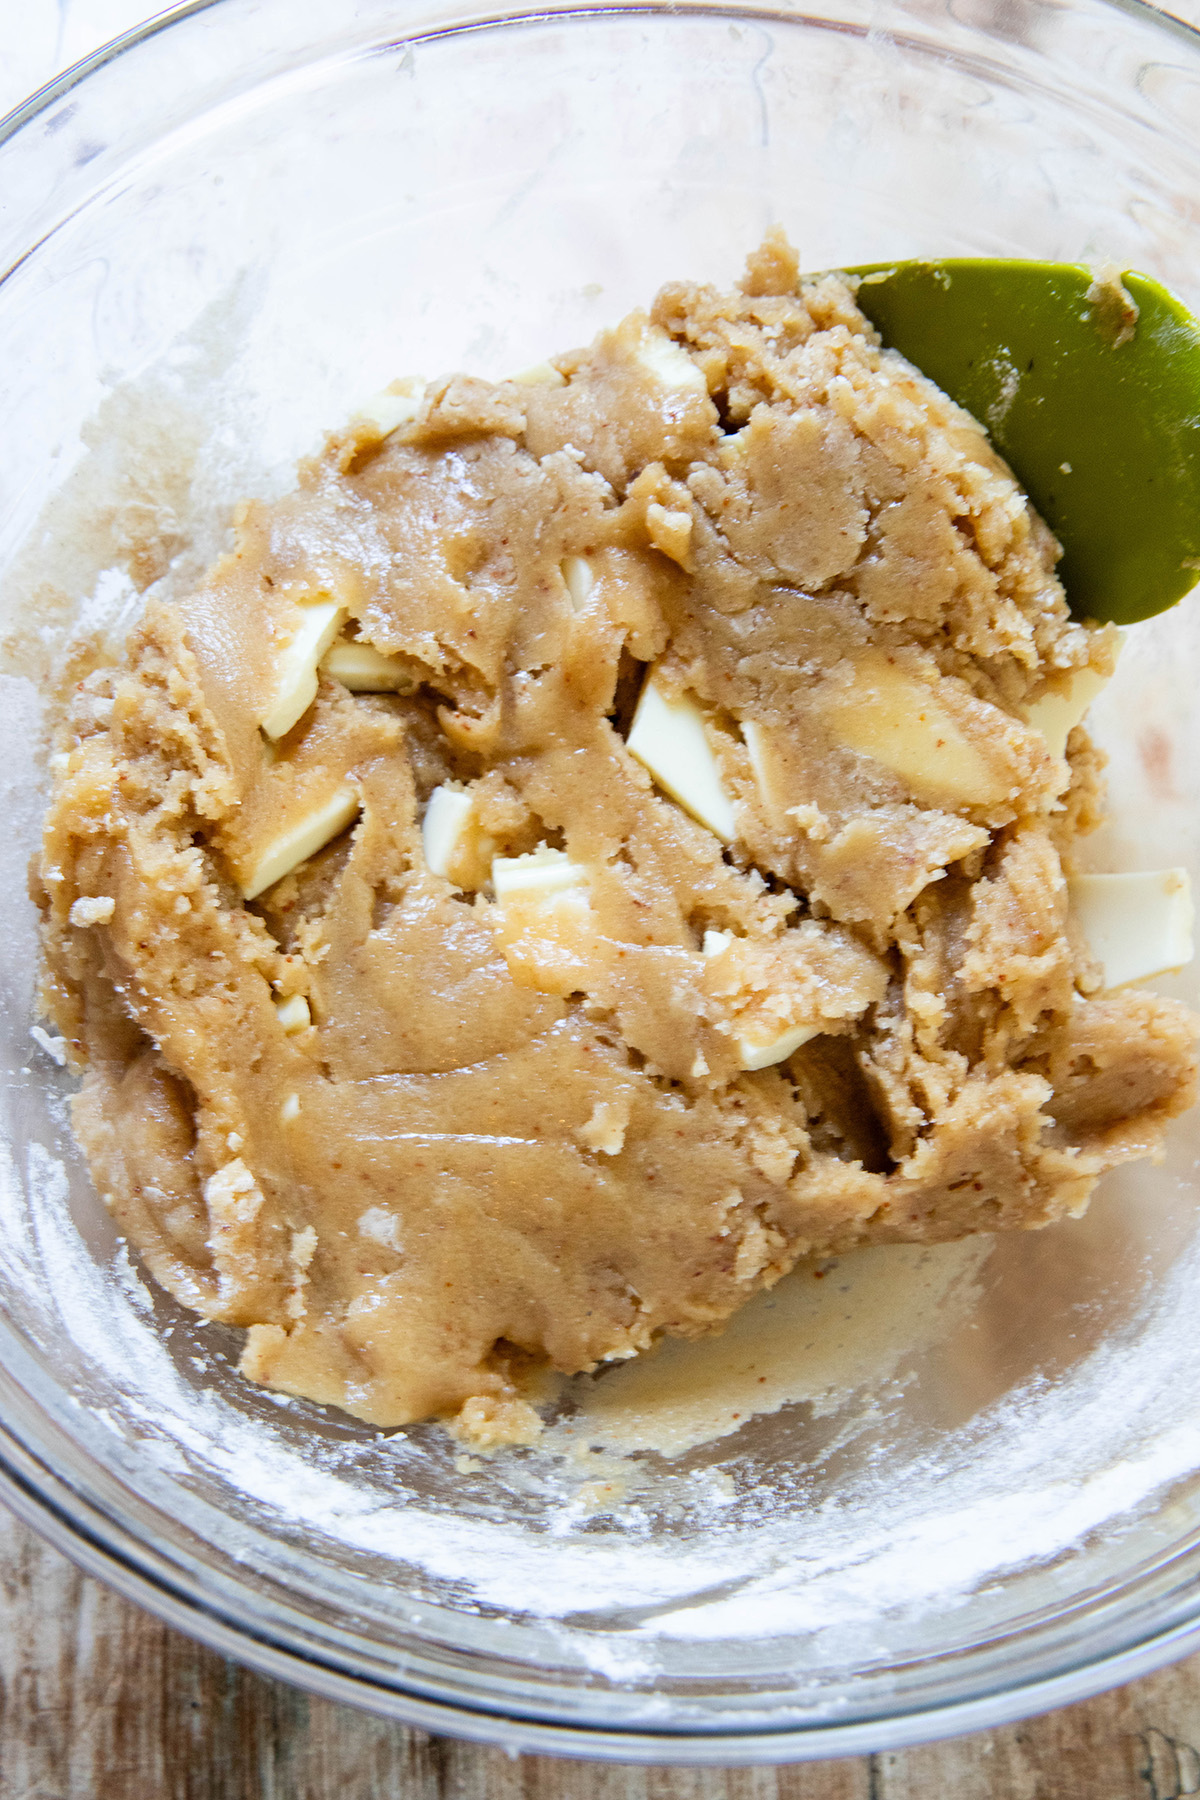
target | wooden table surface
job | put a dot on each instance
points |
(98, 1701)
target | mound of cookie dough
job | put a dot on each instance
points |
(596, 841)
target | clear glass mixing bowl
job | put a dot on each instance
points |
(216, 237)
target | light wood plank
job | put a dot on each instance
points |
(98, 1701)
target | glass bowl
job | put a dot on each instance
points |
(973, 1490)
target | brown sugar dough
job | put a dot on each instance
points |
(419, 1137)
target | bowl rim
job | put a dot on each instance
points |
(36, 103)
(103, 1547)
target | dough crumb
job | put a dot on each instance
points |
(488, 1424)
(1116, 310)
(605, 1130)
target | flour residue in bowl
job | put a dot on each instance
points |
(819, 1336)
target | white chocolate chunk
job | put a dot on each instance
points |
(365, 670)
(55, 1047)
(541, 374)
(1057, 713)
(752, 737)
(760, 1053)
(92, 910)
(304, 1248)
(670, 531)
(232, 1197)
(317, 624)
(539, 875)
(380, 1226)
(1136, 925)
(605, 1131)
(444, 828)
(293, 1014)
(668, 738)
(300, 840)
(546, 925)
(580, 578)
(774, 1050)
(670, 366)
(897, 719)
(395, 406)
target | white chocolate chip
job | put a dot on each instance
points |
(365, 670)
(897, 719)
(536, 876)
(1058, 712)
(301, 840)
(304, 1248)
(580, 578)
(315, 626)
(546, 924)
(670, 530)
(1136, 925)
(381, 1227)
(445, 827)
(542, 374)
(605, 1130)
(293, 1014)
(774, 1050)
(670, 365)
(759, 1053)
(97, 910)
(55, 1047)
(395, 406)
(668, 738)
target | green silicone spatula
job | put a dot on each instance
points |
(1096, 411)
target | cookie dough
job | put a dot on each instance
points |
(603, 836)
